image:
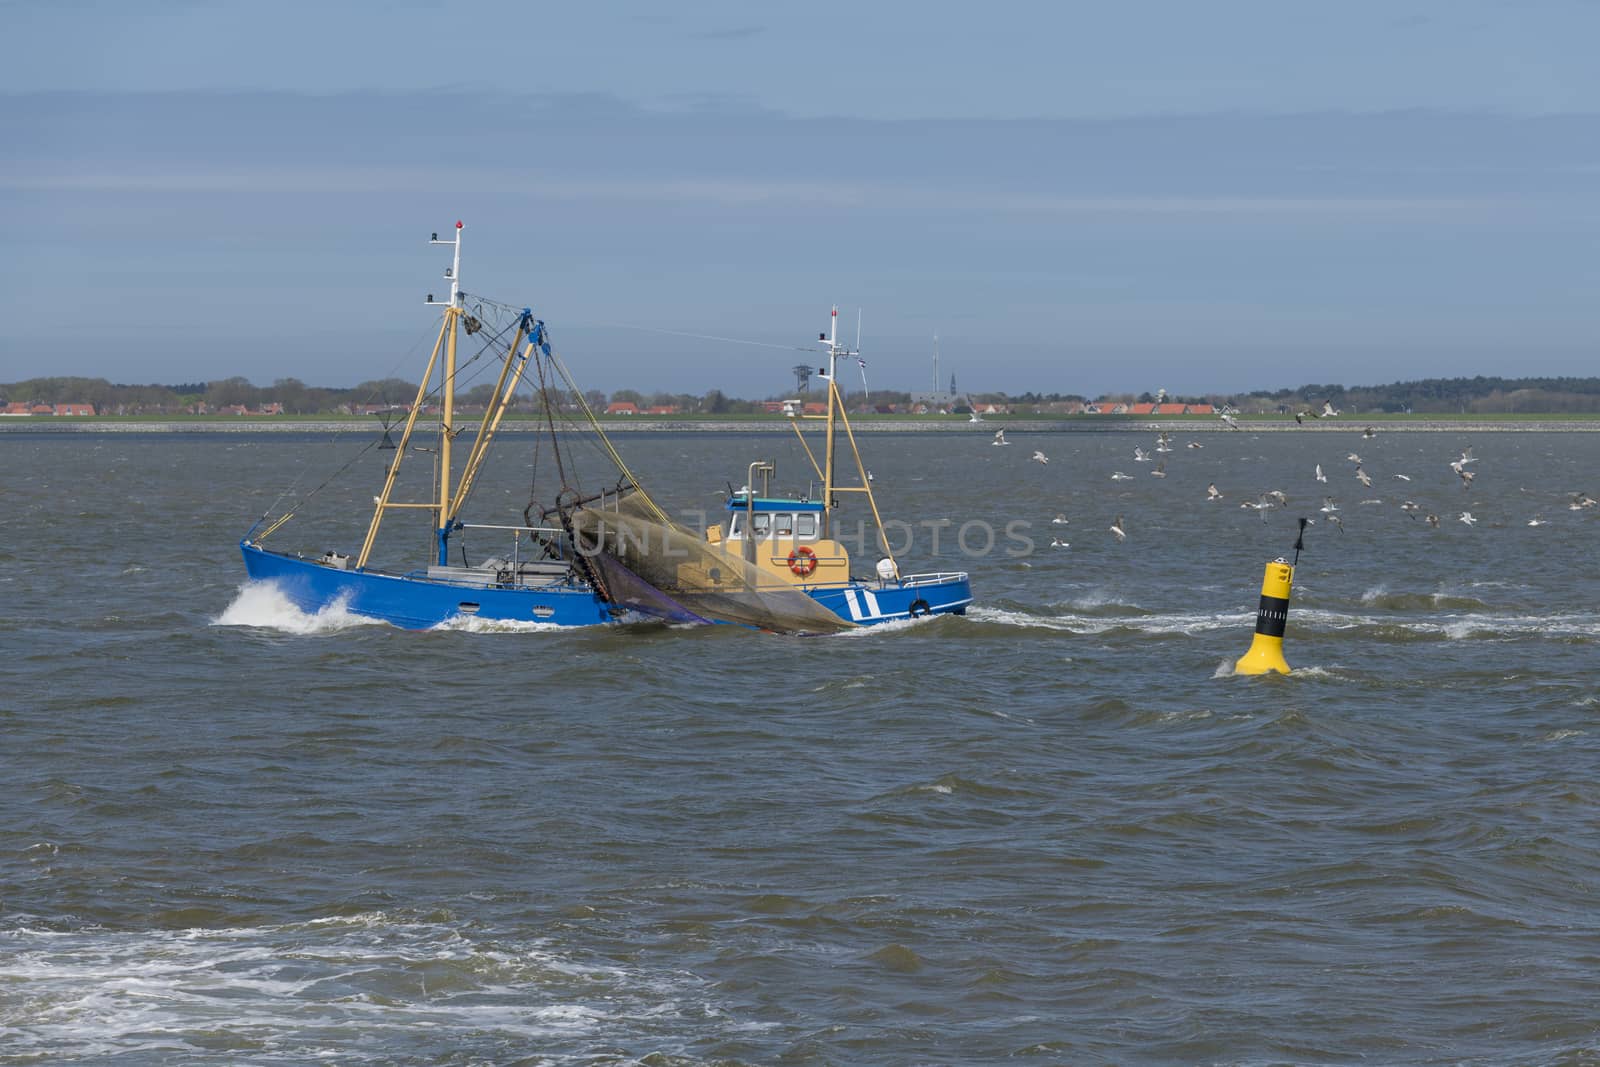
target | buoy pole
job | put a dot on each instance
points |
(1272, 616)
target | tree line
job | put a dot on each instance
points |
(1477, 395)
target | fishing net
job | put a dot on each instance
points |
(666, 570)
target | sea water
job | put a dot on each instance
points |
(1058, 830)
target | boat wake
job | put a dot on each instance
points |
(1439, 626)
(1175, 623)
(262, 605)
(471, 624)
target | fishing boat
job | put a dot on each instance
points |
(794, 537)
(532, 575)
(778, 561)
(588, 550)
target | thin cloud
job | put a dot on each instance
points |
(734, 192)
(739, 33)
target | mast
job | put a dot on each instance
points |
(833, 392)
(447, 393)
(836, 417)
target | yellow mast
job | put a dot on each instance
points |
(447, 396)
(383, 503)
(504, 389)
(836, 413)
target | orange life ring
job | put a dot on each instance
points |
(803, 561)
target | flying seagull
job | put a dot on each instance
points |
(1040, 457)
(1116, 528)
(999, 438)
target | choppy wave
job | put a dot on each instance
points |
(1453, 626)
(333, 987)
(1379, 596)
(1155, 623)
(264, 605)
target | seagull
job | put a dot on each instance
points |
(1040, 457)
(1401, 477)
(1537, 521)
(1466, 517)
(1328, 410)
(1300, 417)
(1194, 444)
(999, 438)
(1328, 506)
(1320, 476)
(1411, 507)
(1337, 521)
(1233, 423)
(1118, 476)
(1163, 442)
(1140, 455)
(1368, 434)
(1213, 493)
(1060, 519)
(1056, 542)
(1160, 470)
(1116, 528)
(1433, 521)
(1466, 478)
(1279, 495)
(1466, 457)
(1581, 500)
(1362, 476)
(1260, 507)
(1353, 458)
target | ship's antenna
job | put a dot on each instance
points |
(452, 273)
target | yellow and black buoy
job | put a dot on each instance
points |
(1266, 648)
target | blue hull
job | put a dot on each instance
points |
(867, 603)
(415, 601)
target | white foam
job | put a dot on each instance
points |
(264, 606)
(471, 624)
(1187, 624)
(890, 627)
(297, 991)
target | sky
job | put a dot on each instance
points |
(1074, 197)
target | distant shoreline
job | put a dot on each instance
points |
(1087, 424)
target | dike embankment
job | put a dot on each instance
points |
(1091, 424)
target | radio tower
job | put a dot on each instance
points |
(802, 377)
